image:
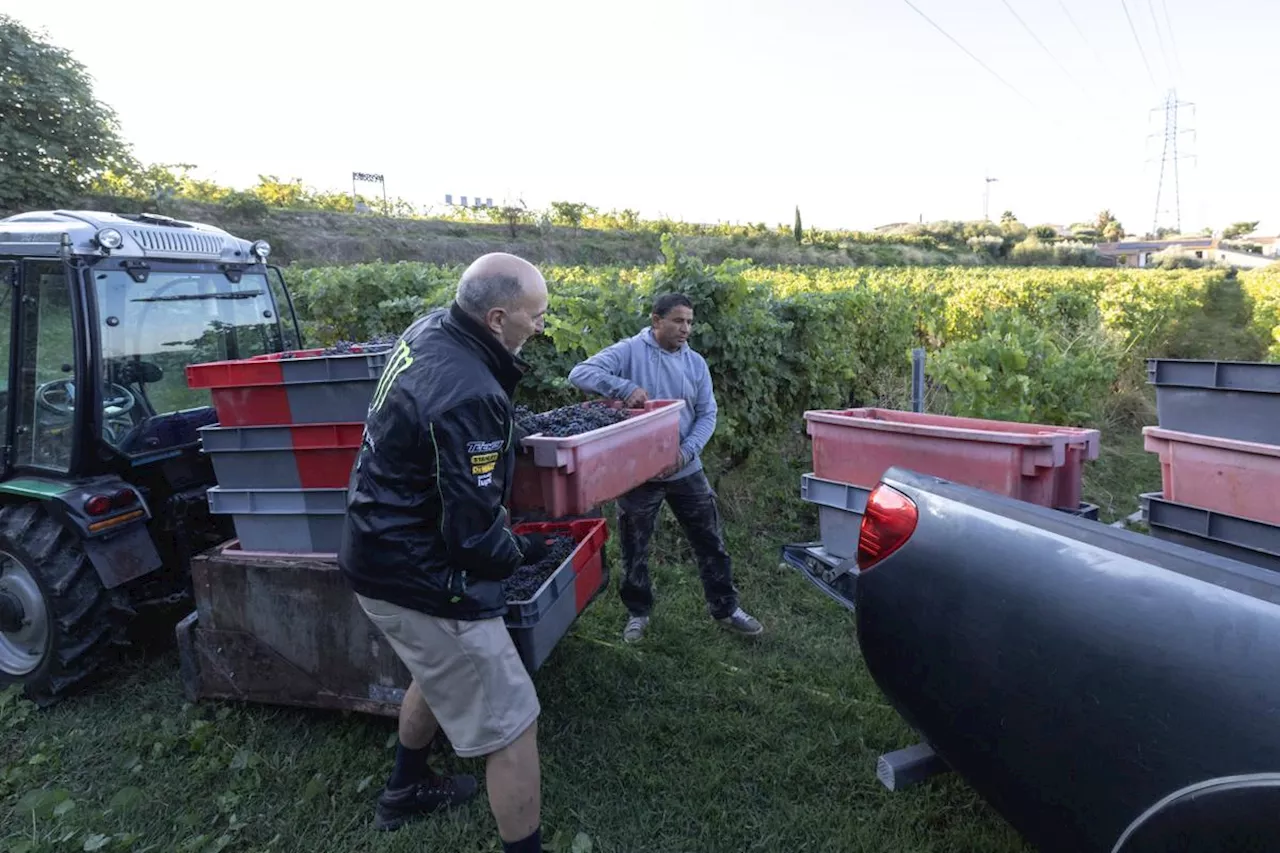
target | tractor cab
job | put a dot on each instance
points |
(100, 314)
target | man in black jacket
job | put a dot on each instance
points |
(427, 543)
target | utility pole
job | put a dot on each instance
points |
(986, 199)
(1169, 156)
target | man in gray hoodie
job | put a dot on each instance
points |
(658, 364)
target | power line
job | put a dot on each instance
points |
(1011, 87)
(1043, 47)
(1138, 42)
(1151, 5)
(1083, 37)
(1168, 23)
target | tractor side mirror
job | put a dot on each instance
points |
(149, 372)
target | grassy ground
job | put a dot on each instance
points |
(691, 741)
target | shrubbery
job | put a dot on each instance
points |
(1034, 344)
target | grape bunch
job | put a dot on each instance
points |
(380, 343)
(569, 420)
(374, 344)
(524, 582)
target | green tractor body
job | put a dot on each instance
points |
(102, 480)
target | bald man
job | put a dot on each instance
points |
(427, 543)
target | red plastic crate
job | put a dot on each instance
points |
(310, 456)
(588, 557)
(1031, 462)
(575, 474)
(1240, 478)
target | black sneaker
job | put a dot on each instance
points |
(398, 806)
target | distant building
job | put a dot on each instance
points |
(1142, 253)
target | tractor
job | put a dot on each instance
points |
(102, 480)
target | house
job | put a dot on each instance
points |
(1142, 253)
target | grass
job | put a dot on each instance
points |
(694, 740)
(691, 741)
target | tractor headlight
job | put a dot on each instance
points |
(109, 238)
(261, 249)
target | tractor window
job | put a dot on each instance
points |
(151, 330)
(47, 388)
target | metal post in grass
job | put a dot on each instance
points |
(917, 379)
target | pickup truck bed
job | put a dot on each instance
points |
(1073, 673)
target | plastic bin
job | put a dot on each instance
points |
(303, 387)
(293, 521)
(1031, 462)
(316, 456)
(840, 509)
(1227, 399)
(588, 558)
(537, 625)
(1240, 478)
(572, 475)
(841, 506)
(1218, 533)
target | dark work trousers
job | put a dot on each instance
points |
(694, 504)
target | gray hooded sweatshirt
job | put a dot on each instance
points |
(639, 362)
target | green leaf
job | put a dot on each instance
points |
(581, 843)
(126, 798)
(95, 842)
(63, 808)
(41, 802)
(315, 787)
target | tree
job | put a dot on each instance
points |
(55, 136)
(1239, 229)
(1109, 228)
(797, 229)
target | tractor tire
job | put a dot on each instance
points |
(72, 623)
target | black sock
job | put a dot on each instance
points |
(532, 844)
(411, 766)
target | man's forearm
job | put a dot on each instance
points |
(598, 381)
(696, 441)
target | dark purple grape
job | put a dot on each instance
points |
(526, 580)
(569, 420)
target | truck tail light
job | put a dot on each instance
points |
(887, 523)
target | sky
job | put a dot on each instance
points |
(861, 112)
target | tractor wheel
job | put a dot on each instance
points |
(57, 622)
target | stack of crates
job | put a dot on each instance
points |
(1218, 441)
(852, 448)
(289, 428)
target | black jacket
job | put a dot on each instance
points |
(426, 524)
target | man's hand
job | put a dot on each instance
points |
(676, 466)
(637, 398)
(534, 547)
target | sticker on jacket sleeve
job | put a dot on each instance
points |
(484, 446)
(484, 480)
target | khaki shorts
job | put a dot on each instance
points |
(469, 672)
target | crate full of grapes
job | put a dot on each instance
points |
(324, 385)
(577, 457)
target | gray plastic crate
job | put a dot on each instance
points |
(333, 368)
(1225, 399)
(294, 521)
(1243, 539)
(345, 401)
(225, 501)
(536, 636)
(265, 457)
(289, 534)
(256, 469)
(840, 508)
